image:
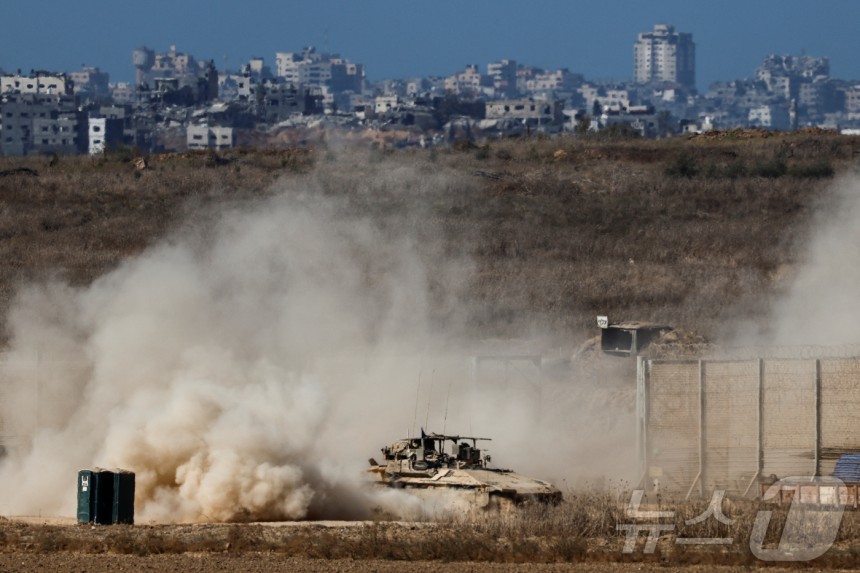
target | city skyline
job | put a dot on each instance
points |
(595, 39)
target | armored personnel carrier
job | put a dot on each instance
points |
(425, 467)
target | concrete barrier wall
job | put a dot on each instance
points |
(708, 425)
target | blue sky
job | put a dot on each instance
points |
(401, 39)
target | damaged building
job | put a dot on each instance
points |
(38, 123)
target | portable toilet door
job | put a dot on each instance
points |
(123, 497)
(103, 497)
(86, 496)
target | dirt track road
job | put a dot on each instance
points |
(259, 563)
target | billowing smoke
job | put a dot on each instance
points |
(247, 367)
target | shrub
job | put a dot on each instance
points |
(504, 155)
(120, 153)
(683, 165)
(769, 169)
(820, 169)
(619, 131)
(735, 169)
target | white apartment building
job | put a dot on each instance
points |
(103, 132)
(615, 100)
(769, 117)
(546, 112)
(312, 68)
(384, 104)
(467, 82)
(663, 55)
(852, 102)
(559, 80)
(306, 68)
(173, 62)
(504, 75)
(38, 83)
(90, 81)
(287, 66)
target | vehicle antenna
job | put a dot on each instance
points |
(417, 393)
(447, 400)
(429, 396)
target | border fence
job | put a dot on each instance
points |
(705, 425)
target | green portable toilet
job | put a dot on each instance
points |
(105, 497)
(123, 497)
(86, 496)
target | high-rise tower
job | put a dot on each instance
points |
(663, 55)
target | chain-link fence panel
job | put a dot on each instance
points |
(724, 424)
(672, 440)
(840, 411)
(788, 412)
(730, 398)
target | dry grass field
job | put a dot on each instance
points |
(690, 231)
(580, 532)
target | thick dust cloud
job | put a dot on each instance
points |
(816, 300)
(247, 367)
(821, 307)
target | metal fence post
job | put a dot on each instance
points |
(639, 420)
(760, 420)
(699, 479)
(702, 466)
(642, 415)
(817, 468)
